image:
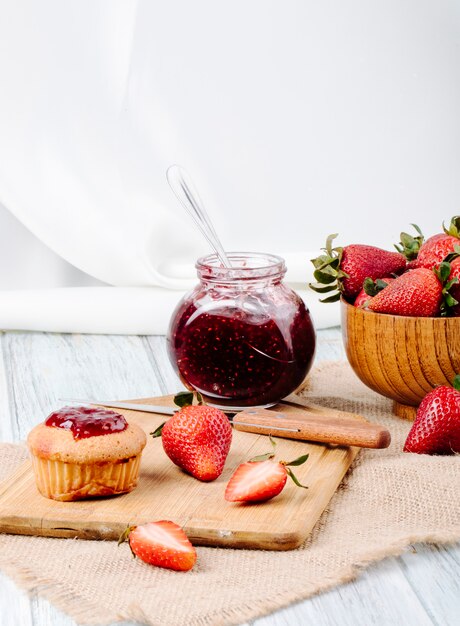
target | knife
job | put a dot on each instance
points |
(293, 422)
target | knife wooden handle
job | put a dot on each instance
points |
(299, 423)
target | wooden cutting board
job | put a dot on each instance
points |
(165, 492)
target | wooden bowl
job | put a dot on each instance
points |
(402, 358)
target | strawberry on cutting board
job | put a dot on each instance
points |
(343, 270)
(163, 544)
(436, 429)
(197, 438)
(262, 478)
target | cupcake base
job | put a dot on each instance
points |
(71, 481)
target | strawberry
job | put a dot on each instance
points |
(261, 478)
(163, 544)
(370, 289)
(343, 270)
(436, 248)
(197, 438)
(436, 429)
(417, 293)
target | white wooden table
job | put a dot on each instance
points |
(420, 587)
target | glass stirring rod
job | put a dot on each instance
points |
(185, 191)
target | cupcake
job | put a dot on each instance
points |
(85, 452)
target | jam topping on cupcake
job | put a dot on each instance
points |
(85, 421)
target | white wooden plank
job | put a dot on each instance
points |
(169, 380)
(15, 606)
(6, 425)
(44, 367)
(380, 596)
(434, 574)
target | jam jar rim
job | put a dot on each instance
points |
(209, 269)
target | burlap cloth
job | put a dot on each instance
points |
(388, 500)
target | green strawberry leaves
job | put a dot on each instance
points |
(185, 398)
(157, 432)
(373, 287)
(456, 382)
(181, 399)
(443, 273)
(295, 479)
(327, 272)
(299, 461)
(287, 464)
(125, 537)
(409, 245)
(454, 227)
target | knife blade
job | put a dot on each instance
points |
(145, 408)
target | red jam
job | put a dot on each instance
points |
(85, 421)
(242, 345)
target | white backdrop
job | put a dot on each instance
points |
(295, 118)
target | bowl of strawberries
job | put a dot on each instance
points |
(400, 312)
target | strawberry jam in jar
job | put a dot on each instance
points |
(242, 338)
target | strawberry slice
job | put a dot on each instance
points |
(261, 478)
(256, 482)
(163, 544)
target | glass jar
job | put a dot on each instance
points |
(242, 338)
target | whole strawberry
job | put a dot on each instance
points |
(197, 439)
(163, 544)
(262, 478)
(417, 293)
(370, 289)
(432, 252)
(436, 429)
(343, 270)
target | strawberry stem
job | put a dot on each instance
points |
(125, 537)
(125, 534)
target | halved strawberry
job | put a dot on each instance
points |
(162, 543)
(261, 478)
(343, 270)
